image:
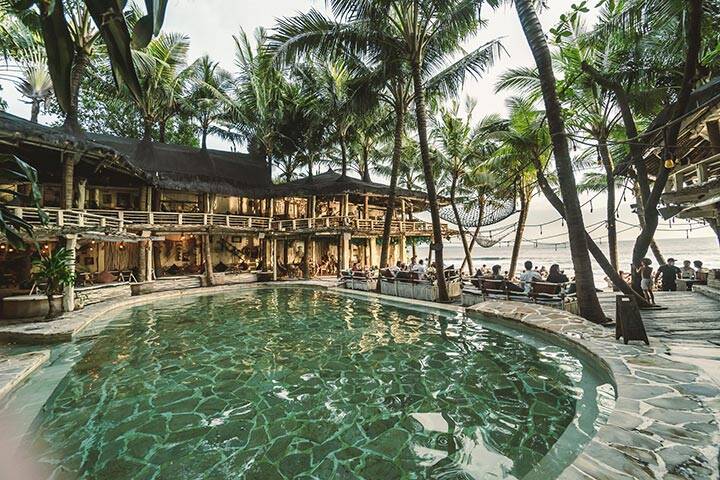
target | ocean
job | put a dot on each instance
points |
(705, 249)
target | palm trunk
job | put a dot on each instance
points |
(390, 208)
(203, 142)
(694, 39)
(52, 313)
(520, 231)
(162, 131)
(476, 234)
(461, 227)
(343, 153)
(641, 221)
(421, 113)
(68, 180)
(610, 183)
(35, 110)
(147, 129)
(587, 297)
(593, 247)
(82, 61)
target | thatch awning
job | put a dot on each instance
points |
(18, 135)
(177, 167)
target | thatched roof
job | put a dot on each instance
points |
(178, 167)
(18, 134)
(333, 183)
(174, 167)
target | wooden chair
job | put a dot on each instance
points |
(552, 294)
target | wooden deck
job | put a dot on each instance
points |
(689, 316)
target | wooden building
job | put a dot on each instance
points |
(143, 212)
(693, 188)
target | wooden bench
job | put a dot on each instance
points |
(552, 294)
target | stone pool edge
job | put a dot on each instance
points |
(664, 424)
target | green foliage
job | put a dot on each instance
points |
(13, 171)
(54, 271)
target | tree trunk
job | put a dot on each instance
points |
(81, 62)
(203, 142)
(587, 297)
(68, 180)
(694, 39)
(421, 114)
(162, 131)
(610, 183)
(715, 225)
(595, 250)
(390, 208)
(524, 207)
(481, 206)
(35, 110)
(343, 153)
(461, 227)
(147, 129)
(641, 221)
(52, 313)
(366, 167)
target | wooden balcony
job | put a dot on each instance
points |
(120, 220)
(68, 218)
(139, 219)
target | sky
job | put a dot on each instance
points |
(210, 25)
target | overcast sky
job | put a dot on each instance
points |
(211, 24)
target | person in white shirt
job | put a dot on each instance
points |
(529, 276)
(419, 268)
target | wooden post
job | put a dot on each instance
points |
(313, 208)
(401, 244)
(306, 254)
(713, 129)
(145, 258)
(345, 208)
(345, 251)
(701, 172)
(208, 260)
(366, 212)
(371, 250)
(69, 290)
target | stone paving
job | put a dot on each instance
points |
(17, 368)
(665, 423)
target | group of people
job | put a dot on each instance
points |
(419, 267)
(524, 281)
(667, 275)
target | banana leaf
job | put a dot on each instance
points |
(150, 24)
(108, 17)
(60, 49)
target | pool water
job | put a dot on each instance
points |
(301, 383)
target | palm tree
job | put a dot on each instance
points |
(525, 148)
(163, 73)
(460, 148)
(587, 297)
(28, 72)
(205, 98)
(54, 271)
(423, 34)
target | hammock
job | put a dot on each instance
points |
(493, 208)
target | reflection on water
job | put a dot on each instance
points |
(280, 383)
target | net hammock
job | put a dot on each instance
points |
(483, 210)
(488, 208)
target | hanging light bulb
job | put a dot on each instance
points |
(562, 222)
(540, 229)
(669, 163)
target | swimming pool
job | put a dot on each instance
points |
(303, 383)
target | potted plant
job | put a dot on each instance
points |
(55, 272)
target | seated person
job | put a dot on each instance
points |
(529, 276)
(395, 268)
(555, 275)
(419, 268)
(687, 272)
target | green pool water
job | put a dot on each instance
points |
(301, 383)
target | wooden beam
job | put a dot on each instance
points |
(713, 129)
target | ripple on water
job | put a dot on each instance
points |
(285, 382)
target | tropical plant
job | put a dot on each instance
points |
(14, 171)
(525, 148)
(205, 101)
(25, 63)
(461, 148)
(55, 272)
(570, 205)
